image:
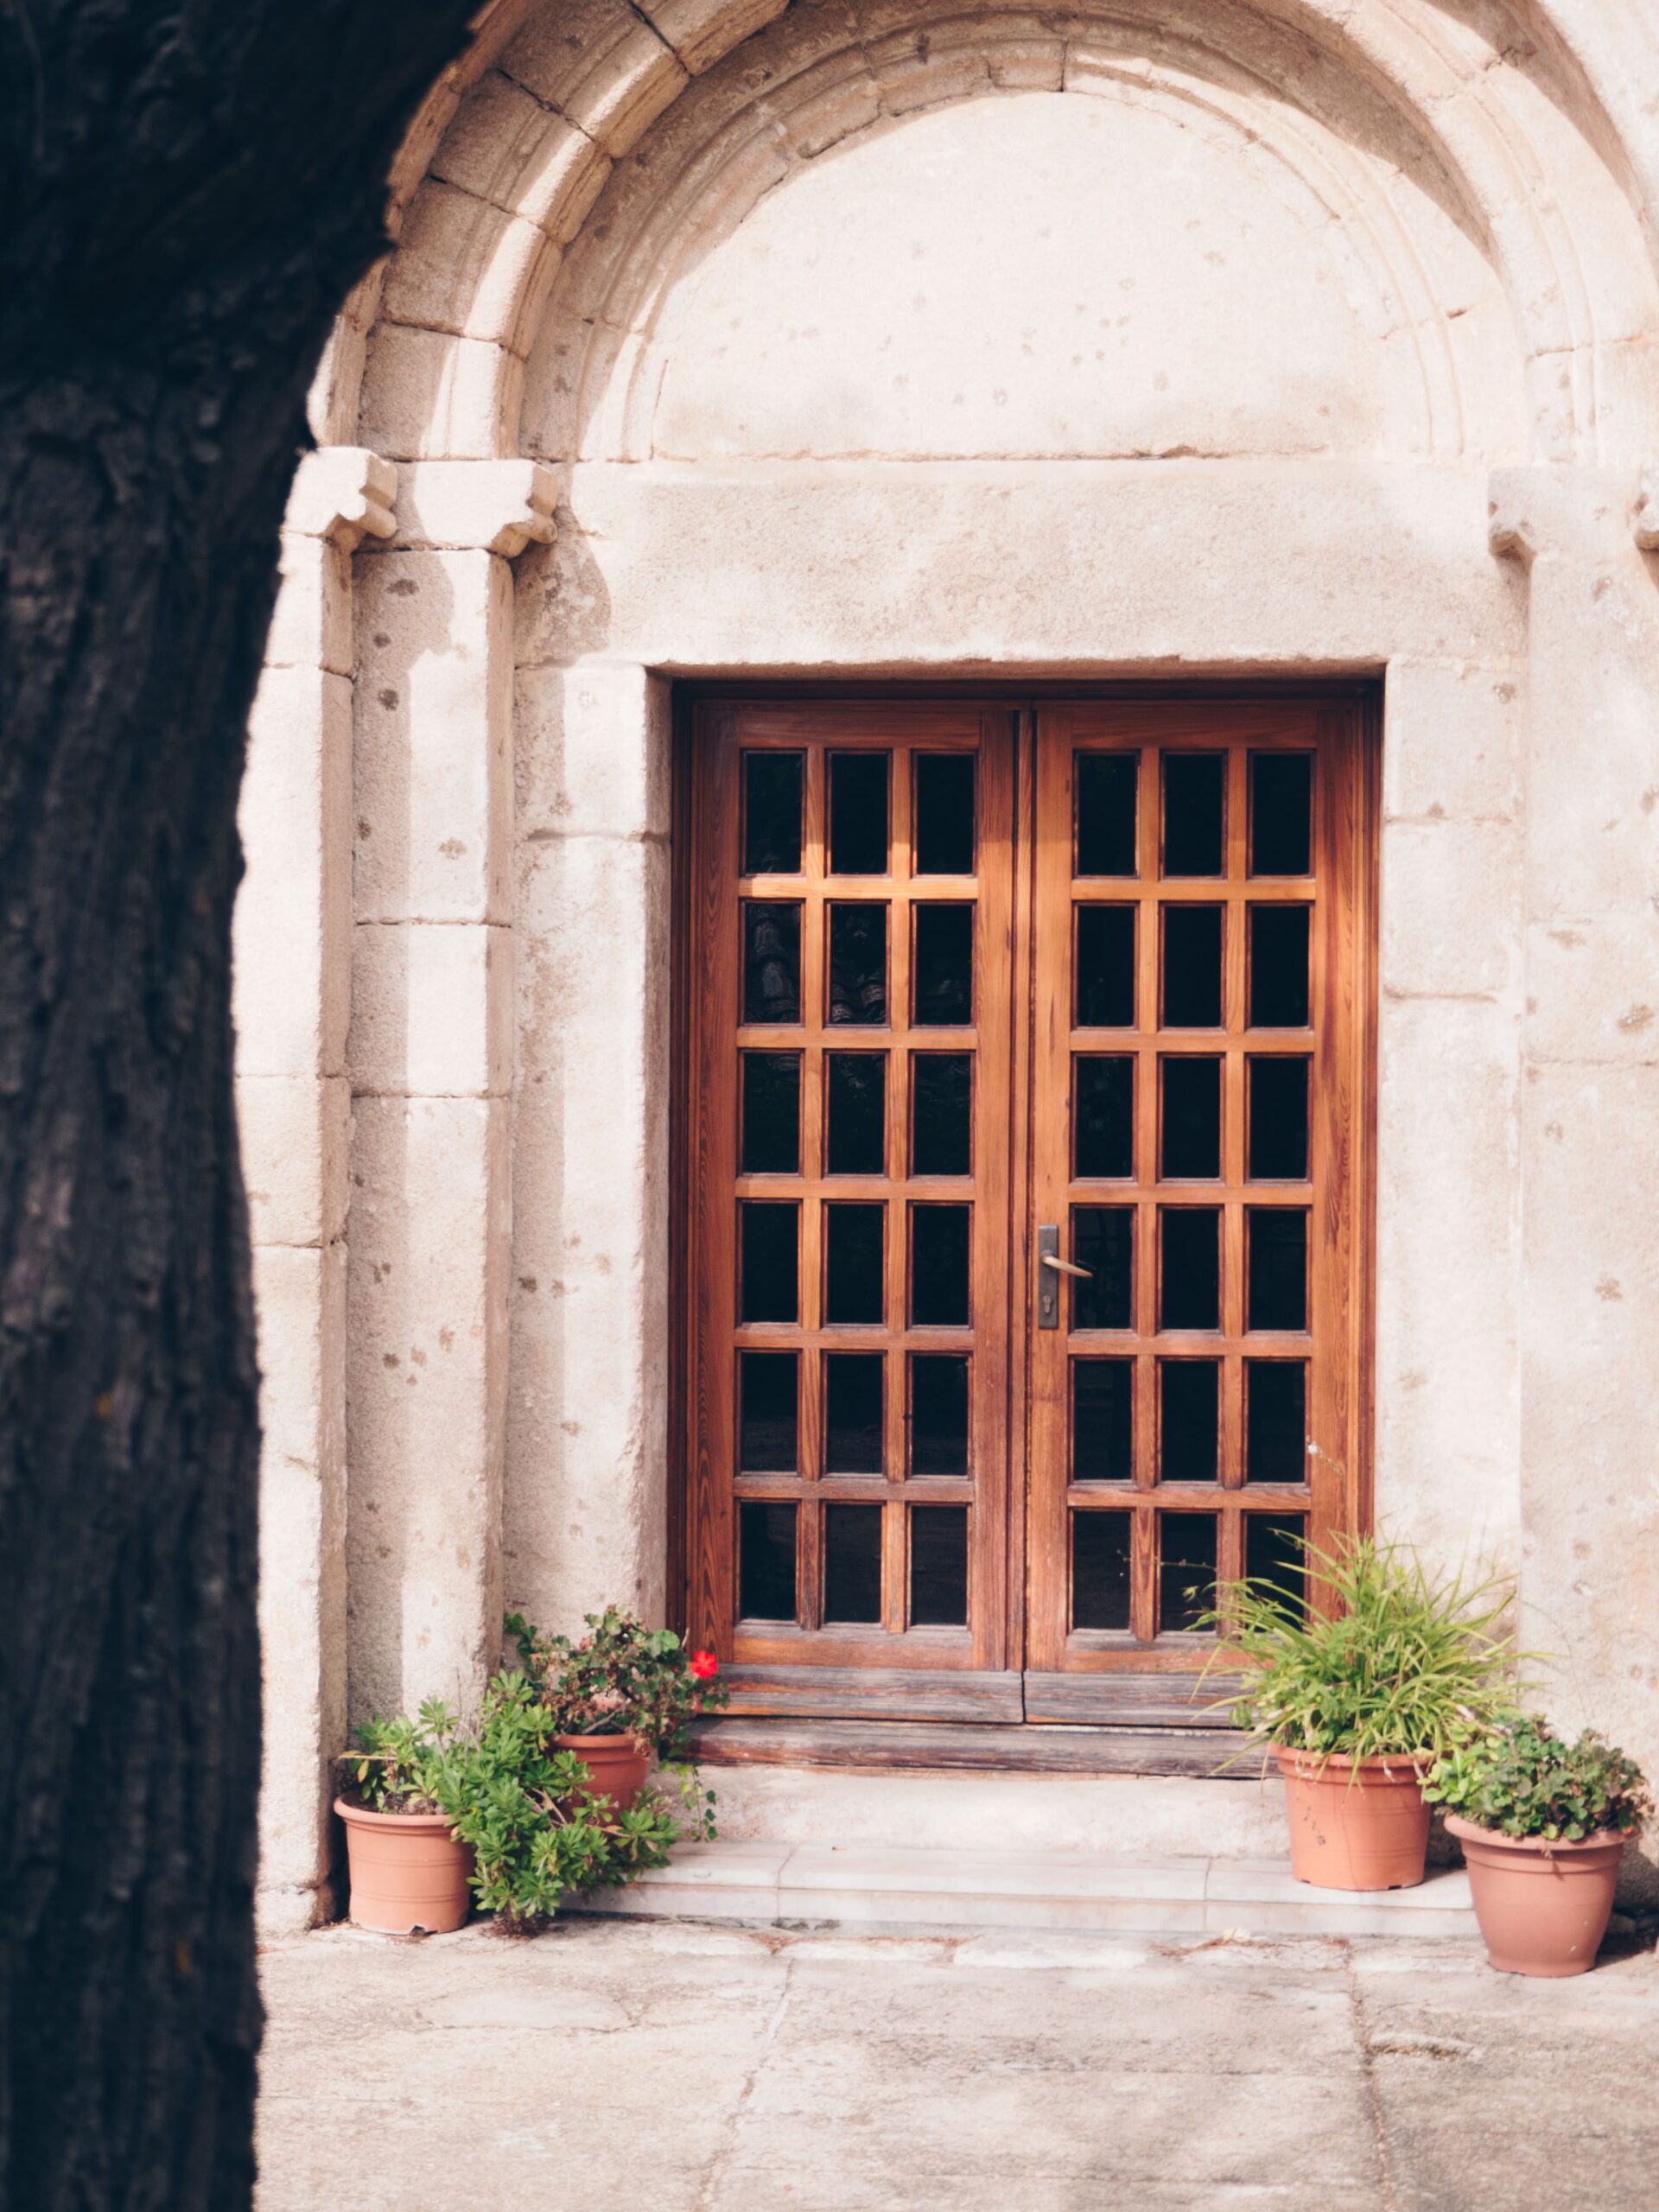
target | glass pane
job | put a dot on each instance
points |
(852, 1412)
(945, 814)
(1100, 1570)
(944, 966)
(1105, 967)
(1192, 1145)
(1275, 1420)
(938, 1413)
(1106, 783)
(1186, 1569)
(1189, 1421)
(772, 813)
(1279, 1120)
(939, 1244)
(1279, 966)
(771, 1114)
(853, 1282)
(939, 1565)
(858, 965)
(942, 1096)
(1192, 966)
(858, 813)
(856, 1140)
(1103, 1240)
(1103, 1421)
(771, 962)
(852, 1562)
(1281, 790)
(1195, 812)
(1277, 1238)
(1192, 1267)
(1105, 1117)
(767, 1262)
(767, 1429)
(766, 1561)
(1273, 1553)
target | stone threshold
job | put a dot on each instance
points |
(795, 1887)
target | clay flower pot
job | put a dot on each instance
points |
(617, 1765)
(1543, 1908)
(408, 1871)
(1355, 1824)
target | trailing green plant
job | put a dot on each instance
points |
(621, 1679)
(404, 1765)
(1522, 1780)
(1404, 1663)
(536, 1828)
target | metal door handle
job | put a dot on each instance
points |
(1050, 1265)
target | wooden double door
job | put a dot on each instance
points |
(1026, 1147)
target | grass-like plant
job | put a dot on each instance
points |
(1405, 1663)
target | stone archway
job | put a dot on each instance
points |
(1432, 231)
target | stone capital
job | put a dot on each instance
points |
(496, 506)
(1583, 511)
(1646, 509)
(343, 494)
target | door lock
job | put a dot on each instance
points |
(1050, 1266)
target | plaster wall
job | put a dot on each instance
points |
(1266, 340)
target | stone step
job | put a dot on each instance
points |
(819, 1885)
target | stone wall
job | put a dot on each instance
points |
(856, 340)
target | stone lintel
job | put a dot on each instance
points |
(496, 505)
(343, 494)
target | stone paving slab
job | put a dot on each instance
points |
(609, 2065)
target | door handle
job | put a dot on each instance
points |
(1049, 1268)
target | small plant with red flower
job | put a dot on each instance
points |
(624, 1679)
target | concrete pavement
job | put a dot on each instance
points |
(611, 2065)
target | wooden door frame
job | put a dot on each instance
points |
(1364, 696)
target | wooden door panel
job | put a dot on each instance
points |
(963, 982)
(849, 1110)
(1200, 966)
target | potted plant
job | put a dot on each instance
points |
(535, 1827)
(1356, 1702)
(623, 1694)
(408, 1870)
(1543, 1824)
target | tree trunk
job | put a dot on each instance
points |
(187, 193)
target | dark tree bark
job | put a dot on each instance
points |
(187, 190)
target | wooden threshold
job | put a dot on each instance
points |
(1022, 1749)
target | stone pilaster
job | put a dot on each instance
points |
(1590, 1104)
(292, 984)
(431, 1065)
(588, 1432)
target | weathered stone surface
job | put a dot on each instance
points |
(432, 791)
(426, 1383)
(295, 1134)
(847, 2075)
(432, 1009)
(293, 913)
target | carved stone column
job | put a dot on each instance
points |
(292, 989)
(432, 1067)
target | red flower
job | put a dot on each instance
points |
(704, 1666)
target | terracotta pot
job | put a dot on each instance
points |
(1543, 1908)
(408, 1871)
(1355, 1824)
(617, 1765)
